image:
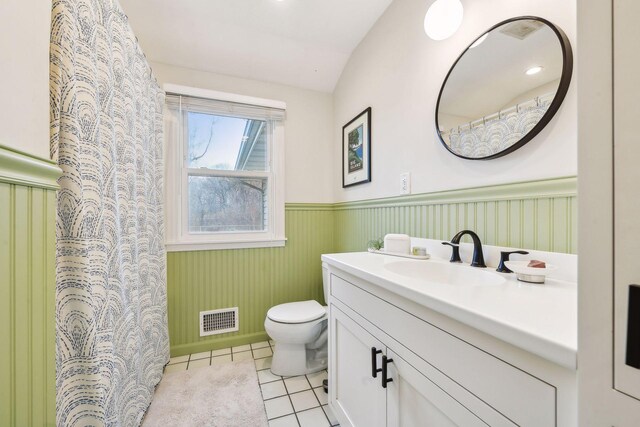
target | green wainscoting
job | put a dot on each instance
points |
(251, 279)
(535, 215)
(27, 289)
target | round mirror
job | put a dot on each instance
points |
(504, 88)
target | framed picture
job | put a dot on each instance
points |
(356, 150)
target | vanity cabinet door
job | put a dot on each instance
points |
(356, 398)
(416, 400)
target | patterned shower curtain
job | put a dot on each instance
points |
(106, 134)
(501, 132)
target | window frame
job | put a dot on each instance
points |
(178, 236)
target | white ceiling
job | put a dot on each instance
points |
(303, 43)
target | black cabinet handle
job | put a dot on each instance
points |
(633, 328)
(385, 380)
(374, 362)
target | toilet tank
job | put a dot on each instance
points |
(325, 282)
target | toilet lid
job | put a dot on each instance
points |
(296, 312)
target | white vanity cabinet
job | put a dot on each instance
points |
(409, 399)
(436, 378)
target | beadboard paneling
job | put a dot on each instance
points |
(27, 305)
(251, 279)
(533, 215)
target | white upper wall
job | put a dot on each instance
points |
(308, 127)
(24, 68)
(398, 71)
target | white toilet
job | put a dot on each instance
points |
(300, 332)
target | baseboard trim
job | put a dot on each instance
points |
(217, 343)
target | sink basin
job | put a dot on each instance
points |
(447, 274)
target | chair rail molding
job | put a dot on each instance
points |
(20, 168)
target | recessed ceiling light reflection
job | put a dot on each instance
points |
(534, 70)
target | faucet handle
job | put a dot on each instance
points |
(504, 256)
(455, 251)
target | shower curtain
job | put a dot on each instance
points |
(106, 134)
(501, 132)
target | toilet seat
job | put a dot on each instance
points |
(296, 312)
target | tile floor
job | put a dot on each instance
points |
(289, 401)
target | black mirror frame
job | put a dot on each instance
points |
(563, 87)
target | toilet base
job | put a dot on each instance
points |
(296, 359)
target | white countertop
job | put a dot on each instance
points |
(541, 319)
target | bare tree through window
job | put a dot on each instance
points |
(224, 203)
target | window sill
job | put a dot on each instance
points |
(224, 245)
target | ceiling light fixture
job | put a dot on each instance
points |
(443, 19)
(479, 41)
(534, 70)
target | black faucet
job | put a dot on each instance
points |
(455, 251)
(504, 257)
(477, 258)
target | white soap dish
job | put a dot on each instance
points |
(524, 273)
(398, 254)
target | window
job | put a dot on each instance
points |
(225, 186)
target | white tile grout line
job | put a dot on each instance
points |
(293, 408)
(260, 386)
(291, 401)
(285, 389)
(289, 395)
(316, 396)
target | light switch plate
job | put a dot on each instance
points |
(405, 183)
